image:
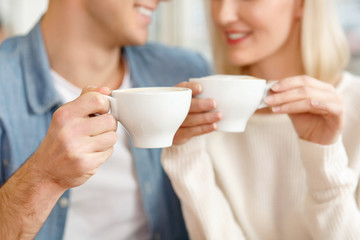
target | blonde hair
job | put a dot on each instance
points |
(324, 49)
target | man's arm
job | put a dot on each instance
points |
(72, 150)
(26, 201)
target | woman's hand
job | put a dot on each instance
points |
(200, 119)
(314, 107)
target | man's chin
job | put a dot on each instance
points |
(138, 40)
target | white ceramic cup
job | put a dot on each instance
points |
(237, 98)
(152, 115)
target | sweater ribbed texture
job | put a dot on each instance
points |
(266, 183)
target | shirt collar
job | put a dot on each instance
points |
(40, 88)
(41, 93)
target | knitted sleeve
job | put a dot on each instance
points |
(206, 211)
(331, 210)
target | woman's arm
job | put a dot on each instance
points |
(207, 212)
(331, 210)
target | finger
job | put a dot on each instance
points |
(309, 106)
(184, 134)
(332, 108)
(102, 142)
(85, 105)
(195, 87)
(96, 125)
(300, 93)
(96, 159)
(102, 90)
(202, 105)
(202, 119)
(300, 81)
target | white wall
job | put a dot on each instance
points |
(20, 15)
(182, 23)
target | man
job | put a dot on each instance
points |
(47, 148)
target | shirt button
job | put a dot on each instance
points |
(64, 202)
(147, 186)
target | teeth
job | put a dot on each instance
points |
(145, 11)
(234, 36)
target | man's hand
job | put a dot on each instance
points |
(80, 138)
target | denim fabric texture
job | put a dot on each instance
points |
(28, 100)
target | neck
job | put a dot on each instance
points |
(286, 62)
(76, 48)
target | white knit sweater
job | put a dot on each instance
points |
(266, 183)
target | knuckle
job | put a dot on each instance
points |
(206, 128)
(113, 137)
(98, 101)
(61, 116)
(286, 107)
(305, 80)
(306, 91)
(111, 121)
(309, 102)
(69, 145)
(192, 132)
(79, 165)
(205, 118)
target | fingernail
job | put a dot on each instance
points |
(275, 87)
(269, 99)
(276, 109)
(211, 104)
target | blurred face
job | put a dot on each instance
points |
(254, 30)
(124, 21)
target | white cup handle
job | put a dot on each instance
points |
(266, 92)
(113, 108)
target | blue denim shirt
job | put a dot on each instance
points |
(28, 100)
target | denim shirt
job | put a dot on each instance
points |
(28, 100)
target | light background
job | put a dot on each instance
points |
(178, 22)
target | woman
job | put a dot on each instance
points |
(294, 173)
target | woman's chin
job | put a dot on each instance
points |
(240, 61)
